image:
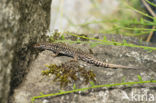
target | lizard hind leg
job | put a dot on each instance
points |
(75, 59)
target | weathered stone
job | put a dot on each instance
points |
(21, 23)
(35, 83)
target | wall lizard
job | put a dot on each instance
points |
(76, 53)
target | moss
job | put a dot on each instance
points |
(69, 72)
(56, 36)
(68, 36)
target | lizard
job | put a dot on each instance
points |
(76, 53)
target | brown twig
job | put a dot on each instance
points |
(150, 35)
(154, 15)
(149, 8)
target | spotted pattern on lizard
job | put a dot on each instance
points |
(76, 53)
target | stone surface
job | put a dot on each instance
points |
(21, 23)
(35, 83)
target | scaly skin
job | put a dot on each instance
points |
(61, 48)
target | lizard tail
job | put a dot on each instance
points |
(103, 64)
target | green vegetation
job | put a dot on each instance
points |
(92, 87)
(128, 20)
(78, 39)
(69, 72)
(130, 24)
